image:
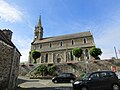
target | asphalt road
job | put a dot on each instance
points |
(47, 88)
(25, 83)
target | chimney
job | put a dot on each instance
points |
(8, 33)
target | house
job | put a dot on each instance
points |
(9, 61)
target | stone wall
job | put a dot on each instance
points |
(9, 66)
(92, 65)
(78, 68)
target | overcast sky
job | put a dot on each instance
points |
(60, 17)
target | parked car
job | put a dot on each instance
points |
(64, 77)
(99, 80)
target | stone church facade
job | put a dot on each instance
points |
(58, 49)
(9, 61)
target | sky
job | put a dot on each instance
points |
(60, 17)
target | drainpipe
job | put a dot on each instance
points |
(11, 69)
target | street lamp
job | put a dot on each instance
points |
(86, 65)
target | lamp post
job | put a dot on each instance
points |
(86, 65)
(86, 60)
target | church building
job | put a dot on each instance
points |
(58, 49)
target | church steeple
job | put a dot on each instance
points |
(38, 30)
(39, 22)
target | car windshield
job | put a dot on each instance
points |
(86, 76)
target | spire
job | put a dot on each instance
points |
(39, 22)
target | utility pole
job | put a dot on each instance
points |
(115, 52)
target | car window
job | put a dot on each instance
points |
(95, 76)
(117, 74)
(62, 75)
(67, 75)
(104, 75)
(111, 74)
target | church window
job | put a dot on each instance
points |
(61, 43)
(34, 47)
(72, 42)
(71, 55)
(42, 59)
(50, 45)
(46, 58)
(86, 54)
(40, 45)
(85, 40)
(58, 60)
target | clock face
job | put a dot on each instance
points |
(35, 36)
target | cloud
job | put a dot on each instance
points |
(9, 12)
(23, 46)
(110, 38)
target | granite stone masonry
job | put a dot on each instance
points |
(9, 61)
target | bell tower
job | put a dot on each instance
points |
(38, 32)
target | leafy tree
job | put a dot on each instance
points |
(35, 54)
(52, 69)
(77, 52)
(95, 52)
(42, 69)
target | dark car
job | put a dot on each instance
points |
(99, 80)
(64, 77)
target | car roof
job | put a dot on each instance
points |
(66, 73)
(101, 71)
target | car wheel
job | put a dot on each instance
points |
(55, 81)
(115, 87)
(71, 80)
(84, 88)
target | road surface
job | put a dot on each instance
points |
(25, 83)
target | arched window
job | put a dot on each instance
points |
(58, 60)
(50, 45)
(71, 56)
(42, 58)
(86, 54)
(40, 45)
(46, 58)
(61, 43)
(72, 42)
(85, 40)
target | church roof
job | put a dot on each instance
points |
(63, 37)
(6, 40)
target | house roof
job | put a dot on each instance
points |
(4, 38)
(7, 41)
(63, 37)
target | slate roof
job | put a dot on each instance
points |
(63, 37)
(7, 41)
(3, 38)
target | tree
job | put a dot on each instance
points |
(35, 54)
(95, 52)
(42, 69)
(52, 69)
(77, 52)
